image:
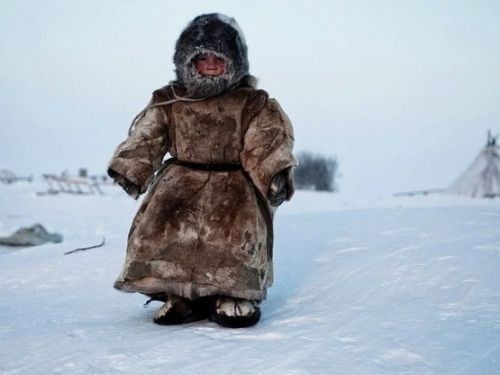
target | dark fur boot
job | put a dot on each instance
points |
(234, 313)
(178, 310)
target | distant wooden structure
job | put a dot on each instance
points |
(9, 177)
(71, 185)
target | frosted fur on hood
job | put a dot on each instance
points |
(217, 34)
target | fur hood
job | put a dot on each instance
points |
(218, 34)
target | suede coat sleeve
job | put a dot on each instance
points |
(136, 159)
(267, 148)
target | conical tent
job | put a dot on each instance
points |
(482, 178)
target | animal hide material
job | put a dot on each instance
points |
(204, 230)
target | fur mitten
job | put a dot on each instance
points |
(132, 189)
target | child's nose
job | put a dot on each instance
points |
(212, 63)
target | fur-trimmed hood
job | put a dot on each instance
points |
(211, 33)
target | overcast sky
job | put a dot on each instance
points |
(401, 92)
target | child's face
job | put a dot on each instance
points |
(208, 64)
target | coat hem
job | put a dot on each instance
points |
(151, 285)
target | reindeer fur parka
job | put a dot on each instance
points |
(205, 226)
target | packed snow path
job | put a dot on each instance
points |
(394, 288)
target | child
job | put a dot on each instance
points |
(202, 238)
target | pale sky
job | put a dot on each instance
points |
(401, 92)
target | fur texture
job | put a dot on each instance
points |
(204, 233)
(177, 310)
(234, 313)
(217, 34)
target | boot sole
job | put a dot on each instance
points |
(234, 321)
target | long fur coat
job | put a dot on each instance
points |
(201, 230)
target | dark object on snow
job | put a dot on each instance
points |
(31, 236)
(86, 248)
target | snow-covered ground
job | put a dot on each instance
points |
(362, 286)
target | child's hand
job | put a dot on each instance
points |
(278, 190)
(132, 189)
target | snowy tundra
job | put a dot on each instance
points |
(385, 285)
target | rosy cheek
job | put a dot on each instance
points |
(199, 66)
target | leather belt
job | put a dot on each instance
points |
(207, 166)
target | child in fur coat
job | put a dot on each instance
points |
(202, 239)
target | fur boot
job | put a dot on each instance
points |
(178, 310)
(233, 312)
